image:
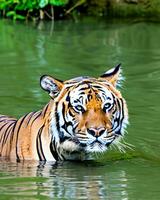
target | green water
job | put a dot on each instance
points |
(67, 49)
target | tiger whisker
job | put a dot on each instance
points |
(121, 145)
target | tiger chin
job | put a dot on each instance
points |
(85, 115)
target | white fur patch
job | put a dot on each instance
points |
(69, 146)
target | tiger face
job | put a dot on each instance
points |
(88, 114)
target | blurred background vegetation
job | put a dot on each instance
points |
(62, 9)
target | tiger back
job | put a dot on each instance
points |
(85, 115)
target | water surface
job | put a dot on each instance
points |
(67, 49)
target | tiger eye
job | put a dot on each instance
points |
(79, 108)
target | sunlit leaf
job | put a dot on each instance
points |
(58, 2)
(43, 3)
(20, 17)
(16, 1)
(20, 6)
(10, 13)
(4, 4)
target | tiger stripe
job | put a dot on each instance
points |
(39, 145)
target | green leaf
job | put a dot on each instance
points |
(10, 13)
(43, 3)
(58, 2)
(20, 17)
(20, 6)
(16, 1)
(4, 4)
(14, 15)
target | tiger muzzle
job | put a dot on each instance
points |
(96, 132)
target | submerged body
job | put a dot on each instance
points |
(84, 115)
(26, 138)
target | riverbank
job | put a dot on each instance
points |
(63, 9)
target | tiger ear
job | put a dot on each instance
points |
(51, 85)
(113, 75)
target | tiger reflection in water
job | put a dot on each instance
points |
(65, 180)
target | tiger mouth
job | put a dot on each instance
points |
(97, 143)
(87, 145)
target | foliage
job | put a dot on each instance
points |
(98, 8)
(21, 9)
(136, 8)
(43, 3)
(44, 9)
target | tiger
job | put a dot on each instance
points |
(85, 115)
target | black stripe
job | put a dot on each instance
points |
(36, 117)
(57, 118)
(39, 145)
(117, 119)
(98, 87)
(63, 109)
(58, 156)
(63, 158)
(6, 134)
(30, 117)
(75, 126)
(11, 139)
(70, 113)
(68, 100)
(45, 110)
(53, 151)
(85, 88)
(84, 85)
(68, 97)
(122, 113)
(8, 120)
(3, 116)
(89, 97)
(120, 119)
(115, 70)
(66, 123)
(21, 123)
(3, 126)
(82, 93)
(2, 132)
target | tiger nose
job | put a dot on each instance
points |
(96, 132)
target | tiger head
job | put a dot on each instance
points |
(87, 114)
